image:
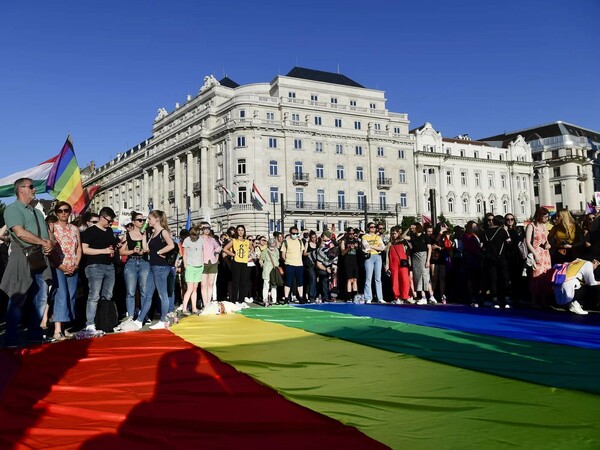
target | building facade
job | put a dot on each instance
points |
(471, 178)
(318, 146)
(566, 170)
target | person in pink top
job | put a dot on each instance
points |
(211, 250)
(65, 258)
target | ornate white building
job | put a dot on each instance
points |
(322, 142)
(470, 177)
(565, 163)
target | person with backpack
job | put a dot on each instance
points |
(495, 242)
(159, 247)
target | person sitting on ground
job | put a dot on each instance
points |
(579, 273)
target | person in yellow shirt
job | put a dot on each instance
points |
(372, 245)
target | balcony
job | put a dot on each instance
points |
(300, 179)
(171, 196)
(384, 183)
(196, 188)
(334, 208)
(582, 177)
(171, 173)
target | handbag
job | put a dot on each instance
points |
(403, 262)
(275, 278)
(34, 253)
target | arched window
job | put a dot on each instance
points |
(402, 176)
(478, 206)
(451, 205)
(465, 202)
(505, 207)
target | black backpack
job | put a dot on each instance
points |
(489, 250)
(107, 317)
(172, 256)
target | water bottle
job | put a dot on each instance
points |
(138, 246)
(144, 227)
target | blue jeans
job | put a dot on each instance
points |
(373, 264)
(101, 281)
(136, 274)
(157, 280)
(64, 298)
(14, 312)
(171, 288)
(311, 282)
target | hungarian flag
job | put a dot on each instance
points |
(228, 193)
(37, 175)
(257, 196)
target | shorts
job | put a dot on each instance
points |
(211, 268)
(193, 274)
(292, 272)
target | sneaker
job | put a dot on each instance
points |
(496, 305)
(507, 306)
(91, 328)
(139, 325)
(432, 300)
(248, 299)
(398, 302)
(411, 301)
(160, 325)
(443, 299)
(423, 301)
(474, 305)
(576, 308)
(381, 301)
(187, 313)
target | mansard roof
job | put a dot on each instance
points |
(319, 75)
(466, 142)
(558, 128)
(228, 82)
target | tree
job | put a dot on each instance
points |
(441, 218)
(407, 221)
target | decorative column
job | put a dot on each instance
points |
(155, 188)
(177, 185)
(165, 189)
(544, 185)
(189, 160)
(204, 181)
(145, 190)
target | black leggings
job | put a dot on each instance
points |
(240, 281)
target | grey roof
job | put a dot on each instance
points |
(558, 128)
(228, 82)
(319, 75)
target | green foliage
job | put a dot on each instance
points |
(407, 221)
(441, 218)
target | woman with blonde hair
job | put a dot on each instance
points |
(566, 238)
(158, 245)
(193, 262)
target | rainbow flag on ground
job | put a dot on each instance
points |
(64, 180)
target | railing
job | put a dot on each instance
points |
(300, 178)
(197, 187)
(171, 196)
(384, 183)
(337, 207)
(171, 173)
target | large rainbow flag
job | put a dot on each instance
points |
(64, 180)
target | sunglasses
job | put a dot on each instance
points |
(94, 221)
(206, 228)
(108, 219)
(139, 220)
(30, 186)
(510, 218)
(63, 210)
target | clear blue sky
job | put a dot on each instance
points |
(100, 70)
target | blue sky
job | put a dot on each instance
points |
(100, 70)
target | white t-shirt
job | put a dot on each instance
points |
(193, 252)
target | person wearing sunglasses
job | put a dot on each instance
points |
(27, 228)
(212, 249)
(65, 258)
(513, 255)
(137, 265)
(98, 243)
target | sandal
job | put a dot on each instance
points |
(59, 337)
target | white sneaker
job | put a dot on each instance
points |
(381, 301)
(160, 325)
(423, 301)
(576, 308)
(248, 299)
(432, 300)
(411, 301)
(475, 305)
(507, 306)
(91, 328)
(138, 324)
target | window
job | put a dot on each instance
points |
(220, 172)
(556, 171)
(475, 154)
(401, 154)
(320, 198)
(273, 168)
(314, 97)
(462, 153)
(478, 206)
(270, 116)
(490, 180)
(242, 195)
(382, 201)
(319, 147)
(274, 194)
(372, 105)
(380, 151)
(357, 125)
(320, 172)
(272, 142)
(298, 144)
(341, 199)
(554, 154)
(489, 156)
(352, 102)
(503, 181)
(557, 189)
(451, 205)
(295, 117)
(360, 174)
(465, 202)
(477, 180)
(463, 178)
(339, 149)
(241, 141)
(339, 172)
(448, 177)
(358, 150)
(522, 208)
(403, 202)
(361, 199)
(402, 177)
(298, 168)
(291, 94)
(334, 100)
(397, 130)
(504, 207)
(518, 180)
(338, 123)
(381, 174)
(377, 126)
(299, 197)
(318, 120)
(241, 166)
(501, 157)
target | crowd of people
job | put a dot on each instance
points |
(494, 263)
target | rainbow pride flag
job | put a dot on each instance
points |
(64, 180)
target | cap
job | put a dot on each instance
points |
(326, 234)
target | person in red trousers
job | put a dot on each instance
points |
(397, 264)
